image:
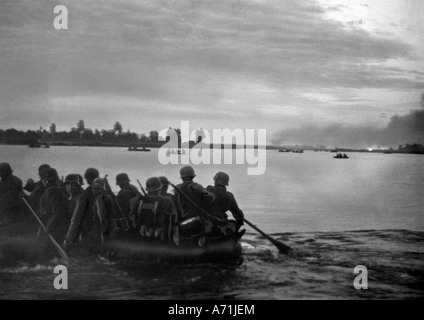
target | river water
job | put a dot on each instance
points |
(336, 214)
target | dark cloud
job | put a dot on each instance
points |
(186, 55)
(400, 130)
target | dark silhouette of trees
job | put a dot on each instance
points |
(117, 127)
(154, 136)
(80, 126)
(77, 135)
(144, 138)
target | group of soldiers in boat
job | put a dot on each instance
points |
(75, 216)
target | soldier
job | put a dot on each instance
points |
(82, 216)
(104, 212)
(37, 189)
(224, 201)
(155, 213)
(127, 192)
(54, 205)
(191, 200)
(165, 186)
(11, 192)
(30, 186)
(73, 185)
(194, 191)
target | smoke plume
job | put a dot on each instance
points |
(400, 130)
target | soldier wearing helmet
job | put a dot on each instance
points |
(199, 195)
(225, 200)
(165, 186)
(36, 189)
(154, 215)
(91, 174)
(74, 190)
(127, 192)
(104, 212)
(82, 215)
(54, 205)
(30, 186)
(10, 193)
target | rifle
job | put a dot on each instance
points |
(141, 187)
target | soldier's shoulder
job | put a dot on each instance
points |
(17, 181)
(165, 199)
(197, 186)
(229, 194)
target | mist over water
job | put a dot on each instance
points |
(336, 215)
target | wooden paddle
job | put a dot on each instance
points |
(280, 246)
(58, 247)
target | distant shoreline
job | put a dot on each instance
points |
(159, 144)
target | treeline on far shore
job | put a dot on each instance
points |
(79, 136)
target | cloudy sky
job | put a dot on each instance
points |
(286, 66)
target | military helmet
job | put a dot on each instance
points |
(99, 183)
(73, 178)
(91, 173)
(5, 168)
(153, 184)
(50, 174)
(42, 167)
(164, 181)
(221, 178)
(122, 178)
(187, 172)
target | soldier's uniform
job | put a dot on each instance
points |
(127, 192)
(224, 201)
(195, 192)
(54, 205)
(11, 191)
(103, 212)
(153, 216)
(37, 189)
(82, 214)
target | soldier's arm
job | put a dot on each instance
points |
(77, 216)
(234, 208)
(205, 194)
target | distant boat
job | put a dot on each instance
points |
(283, 150)
(137, 149)
(298, 151)
(175, 151)
(341, 156)
(39, 145)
